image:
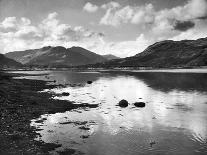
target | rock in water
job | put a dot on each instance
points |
(123, 103)
(139, 104)
(89, 82)
(65, 94)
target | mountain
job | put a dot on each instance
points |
(110, 57)
(167, 53)
(56, 56)
(6, 62)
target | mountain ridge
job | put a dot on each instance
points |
(166, 54)
(6, 62)
(55, 56)
(163, 54)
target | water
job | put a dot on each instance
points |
(174, 120)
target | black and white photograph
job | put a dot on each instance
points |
(103, 77)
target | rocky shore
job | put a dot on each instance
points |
(20, 102)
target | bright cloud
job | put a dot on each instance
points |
(111, 5)
(9, 22)
(89, 7)
(181, 22)
(51, 32)
(20, 34)
(123, 48)
(197, 8)
(114, 16)
(119, 16)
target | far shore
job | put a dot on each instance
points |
(200, 69)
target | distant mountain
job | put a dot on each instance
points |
(167, 53)
(56, 56)
(110, 57)
(6, 62)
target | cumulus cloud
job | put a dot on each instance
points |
(130, 48)
(20, 34)
(170, 23)
(9, 22)
(51, 32)
(162, 24)
(111, 5)
(182, 22)
(144, 14)
(197, 8)
(123, 48)
(114, 16)
(89, 7)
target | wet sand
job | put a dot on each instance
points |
(20, 102)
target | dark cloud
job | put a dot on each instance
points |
(202, 18)
(183, 25)
(101, 34)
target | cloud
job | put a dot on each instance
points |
(115, 18)
(123, 48)
(110, 18)
(183, 25)
(181, 22)
(89, 7)
(118, 15)
(197, 8)
(170, 23)
(199, 31)
(143, 15)
(146, 14)
(111, 5)
(131, 48)
(20, 34)
(9, 22)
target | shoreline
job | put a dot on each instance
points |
(20, 102)
(170, 70)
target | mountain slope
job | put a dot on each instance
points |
(6, 62)
(110, 57)
(56, 56)
(167, 54)
(27, 55)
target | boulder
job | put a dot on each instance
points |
(65, 94)
(123, 103)
(89, 82)
(139, 104)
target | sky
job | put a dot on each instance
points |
(120, 27)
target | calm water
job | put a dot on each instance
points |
(174, 120)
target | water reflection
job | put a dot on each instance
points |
(167, 81)
(173, 121)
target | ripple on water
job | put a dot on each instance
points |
(173, 121)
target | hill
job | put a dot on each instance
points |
(56, 56)
(8, 63)
(164, 54)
